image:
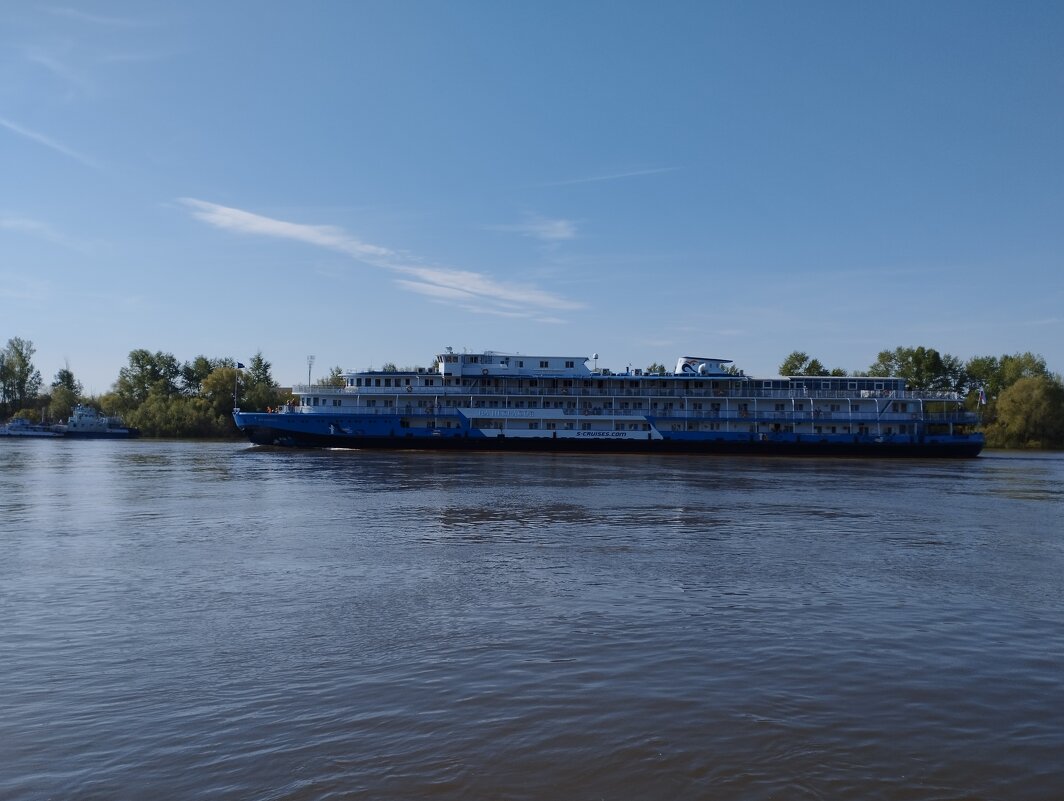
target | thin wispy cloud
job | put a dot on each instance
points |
(611, 176)
(97, 19)
(48, 142)
(59, 69)
(24, 290)
(541, 228)
(26, 226)
(42, 230)
(474, 291)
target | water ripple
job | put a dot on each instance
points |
(212, 621)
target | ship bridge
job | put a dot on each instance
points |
(504, 365)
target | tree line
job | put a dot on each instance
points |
(1020, 400)
(154, 391)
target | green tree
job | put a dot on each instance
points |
(995, 374)
(217, 390)
(66, 392)
(20, 381)
(62, 403)
(193, 374)
(146, 373)
(922, 368)
(655, 368)
(335, 378)
(65, 378)
(178, 416)
(260, 390)
(1029, 414)
(1021, 365)
(799, 363)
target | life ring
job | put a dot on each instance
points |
(409, 388)
(484, 371)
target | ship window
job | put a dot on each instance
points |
(544, 364)
(799, 406)
(851, 385)
(551, 426)
(520, 364)
(533, 383)
(371, 403)
(315, 401)
(825, 385)
(429, 382)
(377, 382)
(878, 385)
(854, 407)
(387, 382)
(570, 364)
(533, 425)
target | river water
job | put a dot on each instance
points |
(214, 621)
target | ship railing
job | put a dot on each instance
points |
(740, 416)
(484, 391)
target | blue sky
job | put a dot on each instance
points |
(373, 181)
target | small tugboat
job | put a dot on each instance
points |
(19, 427)
(85, 422)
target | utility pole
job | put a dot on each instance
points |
(310, 364)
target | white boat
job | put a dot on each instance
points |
(86, 422)
(500, 401)
(18, 427)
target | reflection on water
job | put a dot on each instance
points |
(214, 621)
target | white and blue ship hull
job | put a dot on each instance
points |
(352, 432)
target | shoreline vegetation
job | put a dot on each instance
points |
(1020, 401)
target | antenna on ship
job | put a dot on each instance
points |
(236, 382)
(594, 358)
(310, 363)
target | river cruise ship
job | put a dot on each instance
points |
(499, 401)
